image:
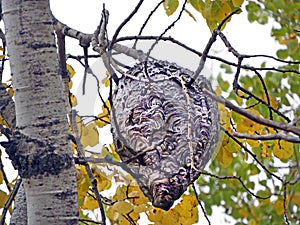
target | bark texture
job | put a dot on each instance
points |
(40, 149)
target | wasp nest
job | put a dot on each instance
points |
(165, 128)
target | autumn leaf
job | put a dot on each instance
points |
(279, 207)
(3, 198)
(104, 118)
(103, 180)
(106, 80)
(70, 70)
(170, 6)
(295, 198)
(122, 207)
(90, 135)
(73, 100)
(283, 149)
(90, 203)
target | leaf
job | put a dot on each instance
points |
(1, 176)
(223, 83)
(122, 207)
(190, 14)
(295, 198)
(103, 180)
(283, 150)
(71, 70)
(197, 4)
(224, 157)
(3, 198)
(104, 118)
(90, 203)
(282, 53)
(170, 6)
(73, 100)
(90, 135)
(106, 80)
(279, 207)
(237, 3)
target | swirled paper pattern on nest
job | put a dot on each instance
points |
(164, 127)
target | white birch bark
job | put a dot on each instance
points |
(44, 158)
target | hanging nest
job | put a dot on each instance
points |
(164, 127)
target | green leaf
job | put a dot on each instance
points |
(197, 4)
(170, 6)
(279, 4)
(224, 85)
(282, 53)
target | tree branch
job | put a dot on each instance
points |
(277, 136)
(260, 120)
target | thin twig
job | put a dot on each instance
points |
(10, 200)
(251, 153)
(212, 39)
(260, 120)
(277, 136)
(286, 218)
(235, 178)
(201, 206)
(165, 31)
(86, 165)
(136, 8)
(146, 21)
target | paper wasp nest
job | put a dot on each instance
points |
(164, 129)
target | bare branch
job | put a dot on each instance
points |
(212, 39)
(86, 165)
(260, 120)
(201, 206)
(10, 200)
(277, 136)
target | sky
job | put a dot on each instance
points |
(85, 15)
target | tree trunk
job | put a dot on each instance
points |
(42, 152)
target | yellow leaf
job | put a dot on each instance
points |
(103, 181)
(170, 6)
(70, 84)
(3, 198)
(170, 217)
(106, 80)
(273, 101)
(120, 193)
(112, 214)
(70, 70)
(279, 207)
(283, 150)
(237, 3)
(141, 208)
(73, 100)
(10, 91)
(187, 210)
(266, 150)
(155, 215)
(104, 118)
(295, 198)
(1, 176)
(252, 222)
(224, 157)
(90, 135)
(122, 207)
(90, 203)
(137, 196)
(134, 216)
(124, 221)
